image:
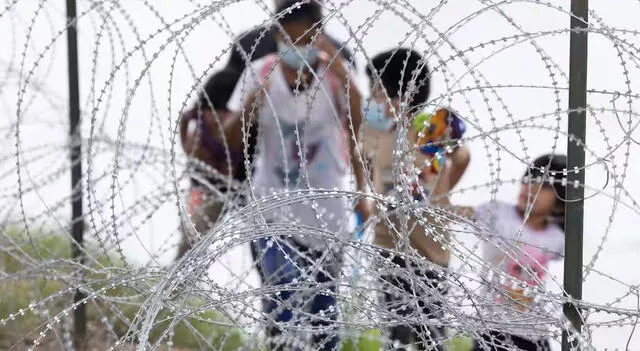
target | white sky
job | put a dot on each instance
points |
(517, 64)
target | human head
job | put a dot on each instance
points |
(401, 75)
(218, 89)
(544, 179)
(300, 21)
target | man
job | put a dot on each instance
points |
(298, 98)
(264, 40)
(258, 43)
(400, 85)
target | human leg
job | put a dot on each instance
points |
(411, 288)
(324, 306)
(489, 341)
(278, 259)
(431, 334)
(396, 289)
(525, 344)
(255, 257)
(499, 341)
(203, 212)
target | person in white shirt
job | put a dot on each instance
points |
(518, 243)
(308, 110)
(392, 74)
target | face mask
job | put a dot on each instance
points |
(297, 57)
(376, 117)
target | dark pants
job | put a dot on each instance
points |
(496, 341)
(404, 296)
(255, 256)
(305, 294)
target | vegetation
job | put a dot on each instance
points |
(39, 288)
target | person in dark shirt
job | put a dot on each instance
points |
(198, 127)
(265, 37)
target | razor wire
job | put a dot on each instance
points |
(503, 67)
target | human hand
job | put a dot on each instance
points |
(459, 156)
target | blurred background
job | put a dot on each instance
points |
(502, 65)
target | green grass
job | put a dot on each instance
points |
(20, 254)
(459, 343)
(370, 341)
(201, 331)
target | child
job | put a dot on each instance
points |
(522, 252)
(297, 98)
(400, 78)
(197, 126)
(261, 41)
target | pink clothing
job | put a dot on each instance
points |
(515, 263)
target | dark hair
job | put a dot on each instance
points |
(551, 170)
(299, 10)
(218, 89)
(397, 70)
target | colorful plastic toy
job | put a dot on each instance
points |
(436, 132)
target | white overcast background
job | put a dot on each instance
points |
(43, 120)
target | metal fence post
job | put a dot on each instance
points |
(574, 214)
(75, 154)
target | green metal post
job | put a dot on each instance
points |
(575, 160)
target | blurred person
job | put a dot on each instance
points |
(299, 98)
(198, 126)
(523, 239)
(261, 41)
(400, 85)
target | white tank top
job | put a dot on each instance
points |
(302, 145)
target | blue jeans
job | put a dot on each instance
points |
(284, 262)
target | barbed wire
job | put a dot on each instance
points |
(500, 66)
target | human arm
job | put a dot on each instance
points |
(459, 161)
(357, 159)
(450, 175)
(330, 58)
(557, 253)
(235, 126)
(197, 128)
(440, 198)
(439, 129)
(447, 179)
(364, 206)
(243, 105)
